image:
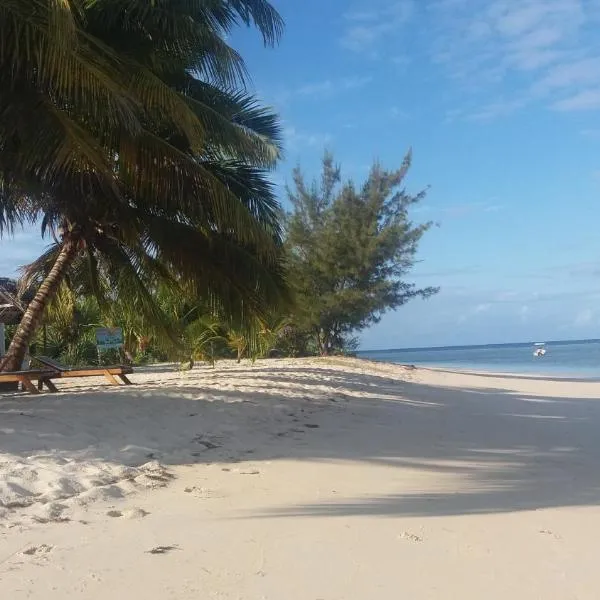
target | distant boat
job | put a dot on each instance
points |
(540, 350)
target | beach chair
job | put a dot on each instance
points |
(26, 379)
(111, 373)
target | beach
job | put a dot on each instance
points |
(302, 479)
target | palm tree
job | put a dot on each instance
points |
(68, 328)
(145, 157)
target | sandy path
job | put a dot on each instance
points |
(304, 480)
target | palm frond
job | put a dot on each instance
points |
(41, 51)
(253, 189)
(194, 191)
(235, 122)
(168, 32)
(131, 282)
(108, 137)
(263, 15)
(34, 273)
(235, 276)
(15, 209)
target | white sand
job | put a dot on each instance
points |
(302, 480)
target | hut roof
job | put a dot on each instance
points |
(11, 306)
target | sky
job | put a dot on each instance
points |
(500, 102)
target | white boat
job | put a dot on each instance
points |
(540, 350)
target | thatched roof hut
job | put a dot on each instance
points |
(11, 303)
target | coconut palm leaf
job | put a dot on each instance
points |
(141, 173)
(234, 122)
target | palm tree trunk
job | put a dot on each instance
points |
(319, 341)
(324, 343)
(23, 337)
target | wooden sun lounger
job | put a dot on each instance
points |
(111, 373)
(26, 378)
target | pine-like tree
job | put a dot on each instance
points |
(350, 251)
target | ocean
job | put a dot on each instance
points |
(563, 358)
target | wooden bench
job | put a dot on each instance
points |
(111, 373)
(26, 379)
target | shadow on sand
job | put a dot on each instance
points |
(512, 452)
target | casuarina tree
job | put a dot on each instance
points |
(350, 251)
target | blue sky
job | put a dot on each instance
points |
(500, 101)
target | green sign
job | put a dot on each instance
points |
(109, 337)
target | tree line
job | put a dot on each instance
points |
(127, 134)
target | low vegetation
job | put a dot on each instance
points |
(347, 251)
(127, 133)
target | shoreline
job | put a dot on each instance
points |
(440, 368)
(302, 478)
(563, 376)
(559, 376)
(556, 374)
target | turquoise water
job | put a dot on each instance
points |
(573, 358)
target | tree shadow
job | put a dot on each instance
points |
(558, 378)
(504, 451)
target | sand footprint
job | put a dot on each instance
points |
(243, 471)
(551, 533)
(162, 549)
(131, 514)
(203, 493)
(51, 513)
(38, 551)
(411, 537)
(249, 471)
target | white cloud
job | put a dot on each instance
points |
(568, 74)
(330, 86)
(365, 29)
(590, 133)
(353, 83)
(459, 210)
(318, 88)
(469, 208)
(584, 317)
(515, 20)
(495, 109)
(479, 309)
(506, 296)
(326, 88)
(296, 140)
(401, 60)
(489, 45)
(482, 308)
(506, 54)
(585, 100)
(398, 113)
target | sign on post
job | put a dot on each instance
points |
(109, 337)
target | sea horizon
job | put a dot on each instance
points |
(563, 357)
(491, 345)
